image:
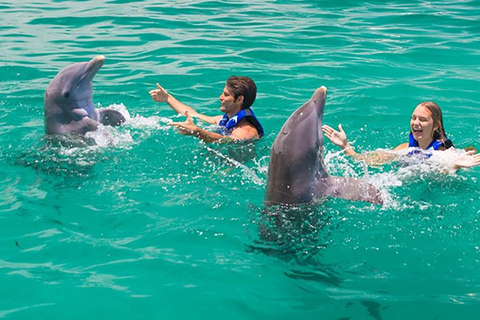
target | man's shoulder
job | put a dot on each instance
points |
(245, 130)
(246, 125)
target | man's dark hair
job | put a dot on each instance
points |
(243, 86)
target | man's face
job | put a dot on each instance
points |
(228, 104)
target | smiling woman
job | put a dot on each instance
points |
(426, 128)
(427, 133)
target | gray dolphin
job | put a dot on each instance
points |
(68, 104)
(297, 173)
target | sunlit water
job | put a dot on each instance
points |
(141, 222)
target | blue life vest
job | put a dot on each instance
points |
(227, 125)
(434, 145)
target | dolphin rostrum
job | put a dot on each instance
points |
(297, 173)
(68, 104)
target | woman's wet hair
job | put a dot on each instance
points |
(436, 114)
(243, 86)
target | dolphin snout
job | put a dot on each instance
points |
(94, 65)
(100, 57)
(322, 89)
(319, 95)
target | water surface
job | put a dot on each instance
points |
(150, 224)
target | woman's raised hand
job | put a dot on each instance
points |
(338, 138)
(467, 160)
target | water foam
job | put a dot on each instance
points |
(403, 170)
(123, 136)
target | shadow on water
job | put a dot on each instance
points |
(239, 152)
(299, 237)
(296, 235)
(59, 164)
(373, 309)
(63, 155)
(248, 156)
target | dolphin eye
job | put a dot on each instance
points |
(66, 94)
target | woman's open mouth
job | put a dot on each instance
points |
(417, 132)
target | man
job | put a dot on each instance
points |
(237, 123)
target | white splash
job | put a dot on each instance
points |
(123, 136)
(406, 169)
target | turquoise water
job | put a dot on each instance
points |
(149, 224)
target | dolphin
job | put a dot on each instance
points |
(297, 173)
(68, 106)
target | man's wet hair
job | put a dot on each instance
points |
(243, 86)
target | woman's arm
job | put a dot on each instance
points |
(467, 160)
(375, 158)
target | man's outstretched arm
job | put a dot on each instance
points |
(161, 95)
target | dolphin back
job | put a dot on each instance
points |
(110, 117)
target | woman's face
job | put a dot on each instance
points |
(422, 125)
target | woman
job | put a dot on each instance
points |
(426, 133)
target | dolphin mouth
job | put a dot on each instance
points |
(92, 68)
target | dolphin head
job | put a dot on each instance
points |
(301, 134)
(69, 95)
